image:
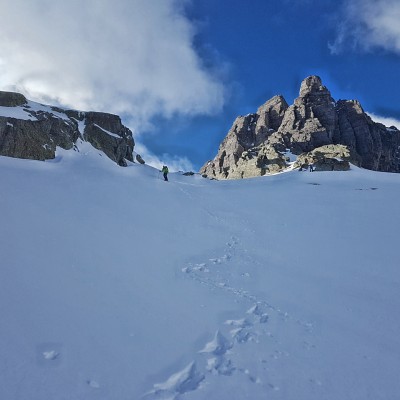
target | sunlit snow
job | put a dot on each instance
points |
(117, 285)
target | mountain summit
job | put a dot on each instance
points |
(315, 129)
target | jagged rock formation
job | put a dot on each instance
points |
(315, 128)
(34, 131)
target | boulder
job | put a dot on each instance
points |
(139, 159)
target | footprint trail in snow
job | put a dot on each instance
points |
(231, 351)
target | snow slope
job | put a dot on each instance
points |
(117, 285)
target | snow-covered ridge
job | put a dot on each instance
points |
(34, 131)
(27, 111)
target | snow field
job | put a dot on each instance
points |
(116, 284)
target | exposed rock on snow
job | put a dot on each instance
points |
(326, 158)
(11, 99)
(257, 143)
(34, 131)
(139, 159)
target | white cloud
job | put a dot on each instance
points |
(369, 24)
(174, 163)
(133, 57)
(385, 120)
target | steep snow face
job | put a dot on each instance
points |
(117, 285)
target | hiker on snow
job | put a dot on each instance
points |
(165, 172)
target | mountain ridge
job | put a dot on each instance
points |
(259, 143)
(30, 130)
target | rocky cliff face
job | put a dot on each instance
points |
(34, 131)
(316, 129)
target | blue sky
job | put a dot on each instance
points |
(267, 48)
(180, 71)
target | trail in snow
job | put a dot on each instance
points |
(118, 285)
(221, 357)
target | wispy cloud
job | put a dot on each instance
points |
(367, 25)
(385, 120)
(174, 163)
(133, 57)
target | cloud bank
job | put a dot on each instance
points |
(132, 57)
(368, 25)
(174, 163)
(385, 120)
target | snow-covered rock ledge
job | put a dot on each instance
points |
(33, 131)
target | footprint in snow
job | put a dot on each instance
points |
(50, 355)
(218, 346)
(220, 260)
(261, 316)
(234, 241)
(197, 268)
(220, 366)
(243, 330)
(184, 381)
(93, 384)
(242, 335)
(240, 323)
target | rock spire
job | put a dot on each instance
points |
(315, 127)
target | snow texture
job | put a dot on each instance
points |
(117, 285)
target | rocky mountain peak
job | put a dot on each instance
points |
(314, 94)
(312, 85)
(271, 113)
(315, 128)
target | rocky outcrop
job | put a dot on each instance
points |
(139, 159)
(315, 126)
(311, 121)
(34, 131)
(376, 146)
(11, 99)
(238, 153)
(331, 157)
